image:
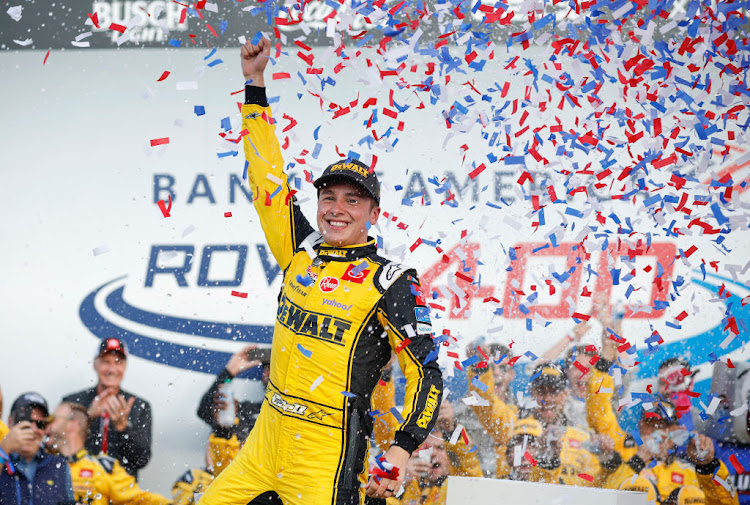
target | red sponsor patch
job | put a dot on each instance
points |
(358, 278)
(678, 478)
(574, 443)
(86, 473)
(311, 274)
(328, 284)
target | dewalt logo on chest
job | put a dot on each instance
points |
(312, 324)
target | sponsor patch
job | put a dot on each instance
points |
(422, 314)
(429, 408)
(333, 303)
(678, 478)
(424, 329)
(574, 443)
(352, 276)
(86, 473)
(328, 284)
(312, 324)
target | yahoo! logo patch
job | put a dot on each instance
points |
(334, 303)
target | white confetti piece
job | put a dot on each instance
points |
(274, 178)
(738, 411)
(456, 434)
(190, 229)
(316, 383)
(24, 43)
(186, 85)
(101, 250)
(15, 12)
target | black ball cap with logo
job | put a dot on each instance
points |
(350, 170)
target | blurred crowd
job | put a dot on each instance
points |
(571, 423)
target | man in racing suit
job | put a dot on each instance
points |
(309, 444)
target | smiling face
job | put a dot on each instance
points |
(551, 403)
(343, 213)
(110, 367)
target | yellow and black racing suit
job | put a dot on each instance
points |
(667, 476)
(102, 480)
(309, 444)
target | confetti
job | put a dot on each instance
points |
(307, 353)
(101, 250)
(316, 383)
(239, 294)
(164, 75)
(15, 12)
(159, 142)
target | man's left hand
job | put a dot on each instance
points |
(701, 450)
(387, 488)
(118, 409)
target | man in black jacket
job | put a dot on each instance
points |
(120, 421)
(213, 401)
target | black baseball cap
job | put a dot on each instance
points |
(113, 345)
(353, 171)
(30, 399)
(549, 375)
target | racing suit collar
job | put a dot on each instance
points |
(328, 252)
(77, 456)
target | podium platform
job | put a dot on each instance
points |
(479, 491)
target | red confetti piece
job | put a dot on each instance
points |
(118, 28)
(739, 469)
(403, 344)
(95, 19)
(158, 142)
(281, 75)
(474, 173)
(227, 214)
(239, 294)
(211, 29)
(415, 244)
(578, 315)
(729, 363)
(45, 58)
(529, 458)
(163, 76)
(586, 476)
(165, 209)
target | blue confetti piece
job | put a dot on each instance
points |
(227, 154)
(470, 361)
(307, 353)
(175, 43)
(573, 212)
(530, 355)
(720, 218)
(304, 280)
(514, 160)
(316, 132)
(199, 110)
(360, 267)
(397, 415)
(348, 394)
(223, 26)
(217, 61)
(316, 150)
(256, 39)
(213, 51)
(244, 171)
(479, 384)
(615, 273)
(528, 325)
(226, 124)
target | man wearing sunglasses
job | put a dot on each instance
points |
(28, 474)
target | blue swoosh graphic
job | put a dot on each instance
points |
(169, 353)
(697, 348)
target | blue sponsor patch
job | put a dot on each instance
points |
(422, 314)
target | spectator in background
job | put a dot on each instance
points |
(97, 480)
(214, 402)
(524, 450)
(3, 426)
(657, 462)
(28, 474)
(120, 421)
(498, 415)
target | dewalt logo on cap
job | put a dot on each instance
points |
(352, 167)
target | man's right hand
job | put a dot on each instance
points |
(254, 60)
(21, 438)
(100, 403)
(239, 361)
